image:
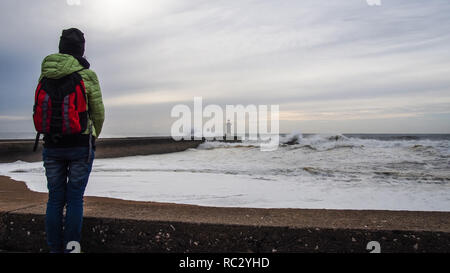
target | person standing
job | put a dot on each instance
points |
(69, 111)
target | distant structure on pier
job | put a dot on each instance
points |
(228, 133)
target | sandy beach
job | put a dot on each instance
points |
(367, 172)
(114, 225)
(15, 197)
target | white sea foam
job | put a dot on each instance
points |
(315, 171)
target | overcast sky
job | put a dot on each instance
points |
(333, 66)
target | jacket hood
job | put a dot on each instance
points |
(58, 65)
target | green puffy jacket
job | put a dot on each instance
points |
(56, 66)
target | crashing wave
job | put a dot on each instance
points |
(291, 139)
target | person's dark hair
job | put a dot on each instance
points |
(72, 42)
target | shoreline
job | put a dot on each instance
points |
(20, 198)
(350, 228)
(117, 225)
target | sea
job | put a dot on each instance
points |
(319, 171)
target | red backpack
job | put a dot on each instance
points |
(60, 106)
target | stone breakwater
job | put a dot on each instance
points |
(13, 150)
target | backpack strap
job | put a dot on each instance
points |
(36, 141)
(90, 138)
(90, 127)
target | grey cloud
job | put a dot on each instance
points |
(247, 52)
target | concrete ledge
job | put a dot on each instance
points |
(113, 225)
(24, 232)
(13, 150)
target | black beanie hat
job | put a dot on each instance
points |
(72, 42)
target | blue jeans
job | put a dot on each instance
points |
(67, 172)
